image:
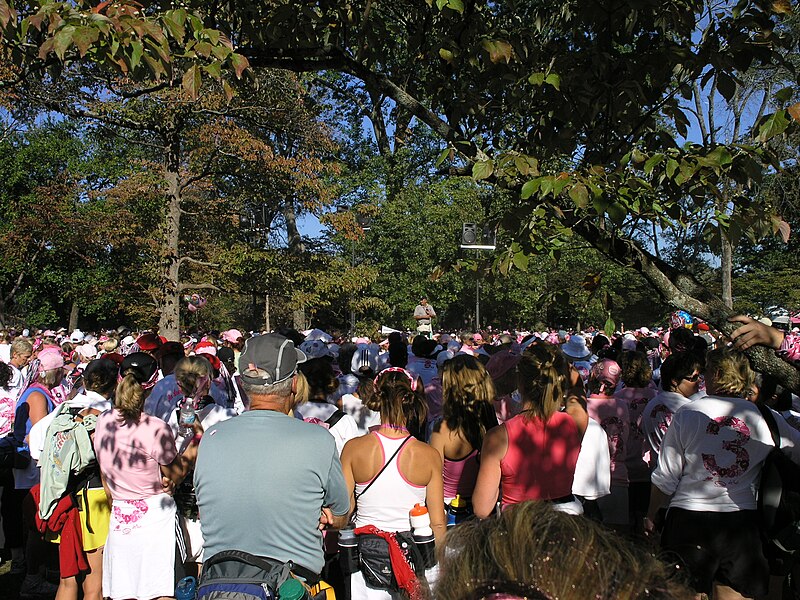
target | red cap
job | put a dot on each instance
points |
(418, 510)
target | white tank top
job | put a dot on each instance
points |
(388, 501)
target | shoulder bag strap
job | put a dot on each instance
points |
(766, 412)
(334, 418)
(374, 479)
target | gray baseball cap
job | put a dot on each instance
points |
(269, 359)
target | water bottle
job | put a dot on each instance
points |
(186, 589)
(457, 511)
(186, 417)
(348, 552)
(423, 534)
(291, 589)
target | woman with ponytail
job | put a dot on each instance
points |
(533, 454)
(467, 414)
(390, 470)
(138, 462)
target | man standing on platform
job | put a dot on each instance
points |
(424, 313)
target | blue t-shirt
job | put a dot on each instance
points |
(261, 481)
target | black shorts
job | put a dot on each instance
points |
(718, 546)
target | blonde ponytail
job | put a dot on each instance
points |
(129, 400)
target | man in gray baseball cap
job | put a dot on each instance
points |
(267, 483)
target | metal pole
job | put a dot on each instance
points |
(477, 296)
(352, 300)
(266, 313)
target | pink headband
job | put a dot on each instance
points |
(411, 378)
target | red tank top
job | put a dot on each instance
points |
(541, 457)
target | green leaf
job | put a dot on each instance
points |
(774, 125)
(554, 79)
(536, 78)
(617, 213)
(63, 40)
(579, 195)
(84, 37)
(192, 81)
(482, 169)
(175, 28)
(529, 188)
(652, 162)
(443, 156)
(136, 54)
(672, 166)
(521, 261)
(445, 54)
(214, 69)
(609, 327)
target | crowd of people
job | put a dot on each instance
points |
(544, 464)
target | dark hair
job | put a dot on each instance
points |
(599, 342)
(681, 339)
(636, 370)
(5, 375)
(320, 378)
(398, 354)
(100, 376)
(677, 366)
(398, 404)
(346, 352)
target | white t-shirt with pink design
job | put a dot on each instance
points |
(657, 417)
(712, 453)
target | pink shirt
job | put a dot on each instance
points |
(459, 476)
(614, 417)
(129, 454)
(540, 461)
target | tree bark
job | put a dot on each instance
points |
(169, 310)
(297, 247)
(74, 313)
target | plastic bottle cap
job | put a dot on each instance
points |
(419, 510)
(457, 502)
(291, 589)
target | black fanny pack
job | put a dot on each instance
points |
(375, 562)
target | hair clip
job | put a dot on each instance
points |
(411, 378)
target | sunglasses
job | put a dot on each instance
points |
(693, 378)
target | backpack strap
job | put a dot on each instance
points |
(335, 418)
(766, 412)
(274, 568)
(388, 462)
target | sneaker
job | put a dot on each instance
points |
(34, 586)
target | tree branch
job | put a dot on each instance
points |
(194, 261)
(198, 286)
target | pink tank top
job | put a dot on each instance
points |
(541, 457)
(460, 475)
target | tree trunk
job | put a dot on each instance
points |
(727, 272)
(296, 247)
(74, 312)
(169, 320)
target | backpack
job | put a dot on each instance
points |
(779, 494)
(328, 423)
(239, 575)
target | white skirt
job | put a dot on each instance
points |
(139, 558)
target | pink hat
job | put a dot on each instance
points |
(501, 363)
(232, 335)
(50, 358)
(607, 371)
